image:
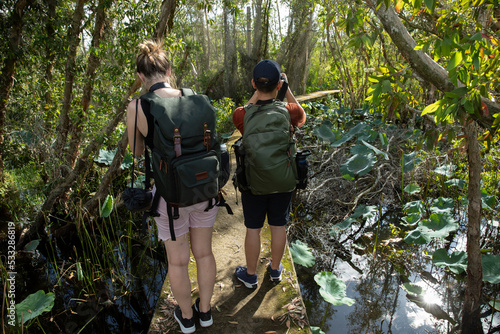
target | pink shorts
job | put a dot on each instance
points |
(192, 216)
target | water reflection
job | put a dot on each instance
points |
(374, 278)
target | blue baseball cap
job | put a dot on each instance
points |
(266, 73)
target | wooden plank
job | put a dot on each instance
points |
(316, 95)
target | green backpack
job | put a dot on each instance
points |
(270, 149)
(186, 158)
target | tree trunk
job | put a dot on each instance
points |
(73, 40)
(166, 21)
(299, 47)
(92, 65)
(471, 319)
(9, 67)
(84, 162)
(229, 54)
(433, 73)
(50, 55)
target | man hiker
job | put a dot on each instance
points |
(267, 126)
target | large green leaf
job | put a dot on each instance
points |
(342, 226)
(34, 305)
(412, 189)
(412, 289)
(358, 165)
(410, 161)
(457, 183)
(316, 330)
(491, 268)
(438, 225)
(488, 202)
(456, 262)
(416, 237)
(414, 207)
(446, 170)
(412, 219)
(324, 133)
(359, 128)
(332, 289)
(376, 150)
(443, 205)
(301, 254)
(107, 206)
(495, 303)
(106, 157)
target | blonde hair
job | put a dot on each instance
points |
(152, 60)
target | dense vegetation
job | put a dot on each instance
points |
(422, 74)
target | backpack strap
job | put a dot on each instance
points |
(187, 92)
(173, 213)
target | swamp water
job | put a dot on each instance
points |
(375, 278)
(112, 286)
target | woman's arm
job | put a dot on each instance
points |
(139, 138)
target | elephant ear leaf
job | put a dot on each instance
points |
(491, 268)
(34, 305)
(301, 254)
(332, 289)
(456, 262)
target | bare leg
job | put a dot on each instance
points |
(252, 249)
(178, 260)
(201, 245)
(278, 242)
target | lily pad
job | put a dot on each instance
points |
(34, 305)
(495, 303)
(456, 183)
(412, 219)
(316, 330)
(342, 226)
(360, 149)
(332, 289)
(438, 225)
(107, 206)
(414, 207)
(32, 245)
(410, 161)
(360, 127)
(412, 189)
(358, 165)
(489, 202)
(416, 237)
(325, 133)
(443, 205)
(446, 170)
(376, 150)
(491, 268)
(412, 289)
(301, 254)
(456, 262)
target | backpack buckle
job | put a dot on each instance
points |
(206, 136)
(177, 142)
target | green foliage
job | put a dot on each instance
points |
(301, 254)
(225, 108)
(491, 268)
(456, 262)
(34, 305)
(107, 206)
(332, 289)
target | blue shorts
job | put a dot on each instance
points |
(275, 206)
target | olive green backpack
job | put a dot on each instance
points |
(270, 149)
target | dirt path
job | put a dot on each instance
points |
(271, 308)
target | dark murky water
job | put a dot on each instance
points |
(375, 282)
